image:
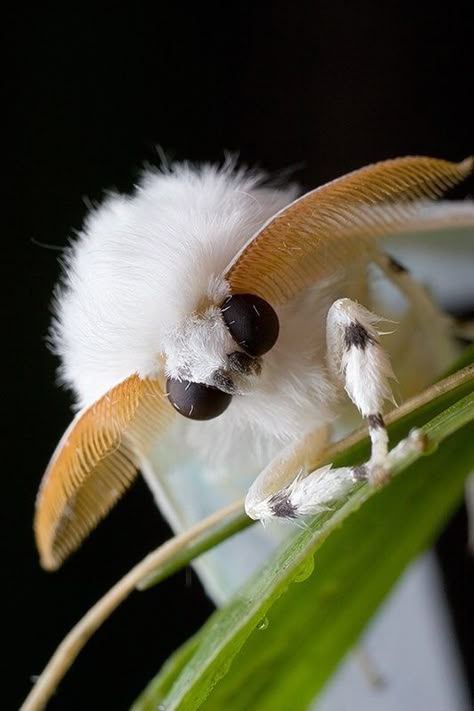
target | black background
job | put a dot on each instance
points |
(324, 86)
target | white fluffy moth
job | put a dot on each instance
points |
(217, 312)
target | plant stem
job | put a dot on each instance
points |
(76, 639)
(181, 549)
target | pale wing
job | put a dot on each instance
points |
(333, 225)
(187, 489)
(94, 463)
(441, 258)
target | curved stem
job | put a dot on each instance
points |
(76, 639)
(186, 546)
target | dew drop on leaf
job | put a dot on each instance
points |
(305, 570)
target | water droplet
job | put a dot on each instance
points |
(263, 624)
(305, 570)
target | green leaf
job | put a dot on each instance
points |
(359, 549)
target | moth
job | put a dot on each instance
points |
(215, 314)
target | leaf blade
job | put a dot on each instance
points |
(223, 636)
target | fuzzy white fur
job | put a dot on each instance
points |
(141, 291)
(142, 287)
(143, 264)
(365, 372)
(144, 280)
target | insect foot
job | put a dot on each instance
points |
(307, 494)
(417, 442)
(379, 473)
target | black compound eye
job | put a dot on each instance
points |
(252, 322)
(196, 400)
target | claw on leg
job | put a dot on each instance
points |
(378, 474)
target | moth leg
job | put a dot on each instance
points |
(274, 491)
(357, 360)
(436, 328)
(426, 309)
(415, 292)
(438, 333)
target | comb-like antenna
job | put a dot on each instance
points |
(331, 226)
(95, 462)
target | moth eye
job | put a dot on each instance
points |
(196, 400)
(252, 323)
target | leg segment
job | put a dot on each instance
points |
(358, 362)
(414, 292)
(435, 329)
(271, 494)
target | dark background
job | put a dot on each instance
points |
(326, 86)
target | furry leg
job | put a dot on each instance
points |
(437, 330)
(415, 292)
(356, 359)
(270, 494)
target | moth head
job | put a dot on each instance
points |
(218, 353)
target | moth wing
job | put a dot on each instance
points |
(441, 258)
(331, 226)
(94, 463)
(186, 490)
